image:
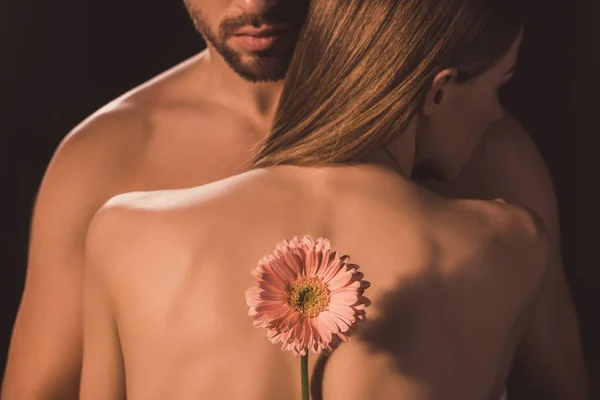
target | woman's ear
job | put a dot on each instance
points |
(435, 94)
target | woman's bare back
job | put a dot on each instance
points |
(450, 283)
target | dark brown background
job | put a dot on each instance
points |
(61, 60)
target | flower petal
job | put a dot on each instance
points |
(344, 298)
(266, 286)
(311, 264)
(274, 279)
(339, 280)
(286, 271)
(289, 322)
(307, 240)
(326, 321)
(269, 305)
(322, 329)
(331, 269)
(275, 295)
(277, 314)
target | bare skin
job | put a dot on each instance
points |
(168, 271)
(187, 128)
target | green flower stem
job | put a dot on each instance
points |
(304, 376)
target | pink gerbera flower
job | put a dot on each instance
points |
(307, 296)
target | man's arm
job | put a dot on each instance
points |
(507, 165)
(88, 168)
(103, 372)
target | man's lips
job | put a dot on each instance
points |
(261, 32)
(259, 39)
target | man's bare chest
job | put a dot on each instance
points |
(184, 159)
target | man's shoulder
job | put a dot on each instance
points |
(107, 140)
(122, 126)
(92, 163)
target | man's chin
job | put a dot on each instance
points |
(256, 66)
(259, 69)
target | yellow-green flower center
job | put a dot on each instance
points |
(309, 297)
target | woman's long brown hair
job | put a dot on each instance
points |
(361, 69)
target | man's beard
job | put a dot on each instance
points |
(265, 66)
(260, 66)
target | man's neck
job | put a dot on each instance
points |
(256, 100)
